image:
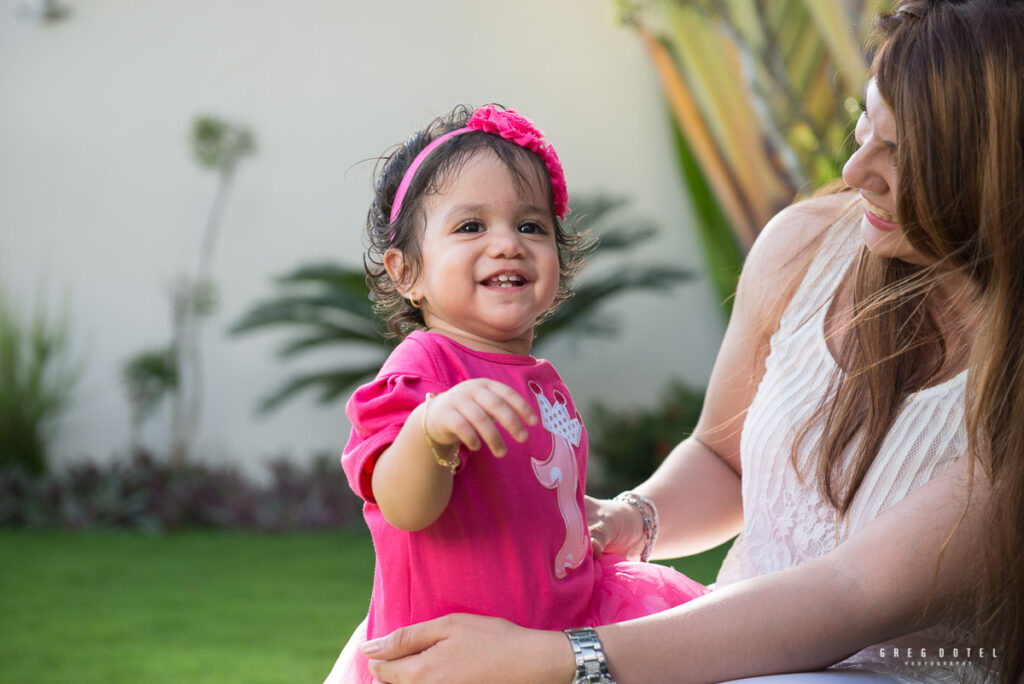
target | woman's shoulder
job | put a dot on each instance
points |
(783, 252)
(797, 231)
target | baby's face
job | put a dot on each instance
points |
(489, 260)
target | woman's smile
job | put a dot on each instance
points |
(881, 219)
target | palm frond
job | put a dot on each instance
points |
(692, 121)
(347, 278)
(592, 208)
(328, 384)
(332, 305)
(623, 236)
(325, 335)
(723, 256)
(575, 313)
(327, 304)
(834, 26)
(760, 95)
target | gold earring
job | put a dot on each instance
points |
(415, 303)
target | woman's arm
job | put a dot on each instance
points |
(697, 488)
(884, 581)
(698, 498)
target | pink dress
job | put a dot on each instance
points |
(513, 541)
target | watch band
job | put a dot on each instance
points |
(591, 667)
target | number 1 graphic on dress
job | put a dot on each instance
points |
(559, 472)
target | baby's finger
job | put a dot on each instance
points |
(464, 431)
(485, 427)
(446, 425)
(504, 414)
(516, 401)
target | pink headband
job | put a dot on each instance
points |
(510, 126)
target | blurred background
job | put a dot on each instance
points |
(103, 207)
(183, 189)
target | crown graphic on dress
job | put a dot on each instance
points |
(555, 416)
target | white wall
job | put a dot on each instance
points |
(101, 201)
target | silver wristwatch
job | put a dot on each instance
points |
(591, 667)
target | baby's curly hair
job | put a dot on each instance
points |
(404, 234)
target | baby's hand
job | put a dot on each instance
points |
(472, 410)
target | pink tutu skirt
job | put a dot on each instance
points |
(623, 590)
(351, 666)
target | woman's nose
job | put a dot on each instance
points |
(860, 172)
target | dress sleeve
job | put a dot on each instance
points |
(378, 411)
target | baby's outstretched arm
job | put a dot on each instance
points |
(410, 487)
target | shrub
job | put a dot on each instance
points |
(146, 495)
(36, 382)
(628, 446)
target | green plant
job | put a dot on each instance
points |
(328, 304)
(630, 445)
(37, 379)
(175, 370)
(147, 495)
(763, 95)
(148, 378)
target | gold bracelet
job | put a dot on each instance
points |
(450, 463)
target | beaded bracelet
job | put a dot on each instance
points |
(452, 463)
(649, 512)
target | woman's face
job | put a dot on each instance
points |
(872, 171)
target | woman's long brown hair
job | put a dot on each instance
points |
(953, 75)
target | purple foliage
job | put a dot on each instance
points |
(149, 495)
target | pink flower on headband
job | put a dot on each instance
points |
(510, 126)
(519, 130)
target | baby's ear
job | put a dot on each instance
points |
(394, 264)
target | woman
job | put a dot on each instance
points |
(875, 411)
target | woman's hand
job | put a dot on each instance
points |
(469, 649)
(471, 411)
(615, 527)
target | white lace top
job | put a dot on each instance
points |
(787, 522)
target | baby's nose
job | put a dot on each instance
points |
(505, 243)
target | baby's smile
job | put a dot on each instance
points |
(505, 280)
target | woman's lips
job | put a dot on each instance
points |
(880, 218)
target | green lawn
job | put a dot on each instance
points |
(194, 607)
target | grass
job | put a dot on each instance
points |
(704, 566)
(196, 607)
(191, 607)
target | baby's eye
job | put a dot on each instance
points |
(532, 228)
(470, 227)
